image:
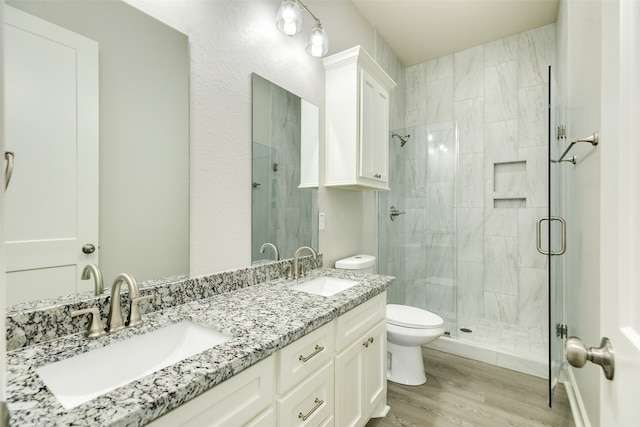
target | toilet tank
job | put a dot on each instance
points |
(359, 263)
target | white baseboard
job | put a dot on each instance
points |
(578, 410)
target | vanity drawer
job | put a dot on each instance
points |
(313, 398)
(301, 358)
(354, 323)
(233, 402)
(265, 419)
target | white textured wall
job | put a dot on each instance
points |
(229, 40)
(579, 81)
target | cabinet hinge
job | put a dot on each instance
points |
(561, 331)
(561, 132)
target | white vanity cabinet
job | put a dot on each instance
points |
(357, 121)
(235, 401)
(333, 376)
(360, 364)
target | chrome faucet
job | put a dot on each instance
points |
(297, 270)
(114, 322)
(98, 284)
(273, 247)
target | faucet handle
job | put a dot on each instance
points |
(289, 271)
(95, 329)
(134, 312)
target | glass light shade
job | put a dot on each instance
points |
(318, 44)
(289, 18)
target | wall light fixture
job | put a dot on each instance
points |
(289, 22)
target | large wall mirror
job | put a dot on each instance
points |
(143, 151)
(284, 172)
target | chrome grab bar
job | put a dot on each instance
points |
(10, 156)
(563, 248)
(593, 139)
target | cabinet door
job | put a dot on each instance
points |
(374, 129)
(349, 367)
(375, 371)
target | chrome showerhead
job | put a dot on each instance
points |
(403, 139)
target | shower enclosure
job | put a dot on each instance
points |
(458, 227)
(469, 256)
(417, 232)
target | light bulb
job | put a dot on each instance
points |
(318, 44)
(289, 18)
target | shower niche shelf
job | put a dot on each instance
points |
(509, 202)
(510, 184)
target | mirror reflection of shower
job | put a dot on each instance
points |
(403, 139)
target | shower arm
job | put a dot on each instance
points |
(593, 140)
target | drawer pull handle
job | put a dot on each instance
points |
(317, 349)
(367, 342)
(318, 403)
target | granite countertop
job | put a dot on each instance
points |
(261, 318)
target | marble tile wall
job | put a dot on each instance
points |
(292, 205)
(468, 247)
(391, 233)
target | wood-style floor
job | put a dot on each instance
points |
(465, 392)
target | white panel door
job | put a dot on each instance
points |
(51, 116)
(620, 205)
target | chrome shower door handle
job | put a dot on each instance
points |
(9, 156)
(563, 248)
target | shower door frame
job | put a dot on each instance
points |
(555, 259)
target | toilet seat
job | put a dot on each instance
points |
(412, 317)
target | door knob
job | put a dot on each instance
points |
(578, 354)
(88, 248)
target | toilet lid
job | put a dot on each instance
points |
(412, 317)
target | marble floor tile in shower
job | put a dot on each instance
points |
(527, 343)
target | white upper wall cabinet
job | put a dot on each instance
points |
(357, 120)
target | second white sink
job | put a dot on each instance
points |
(325, 286)
(83, 377)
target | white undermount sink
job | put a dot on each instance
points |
(83, 377)
(325, 286)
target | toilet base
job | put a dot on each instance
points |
(405, 365)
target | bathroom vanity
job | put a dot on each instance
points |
(291, 355)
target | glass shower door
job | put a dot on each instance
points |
(556, 245)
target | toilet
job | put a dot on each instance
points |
(408, 328)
